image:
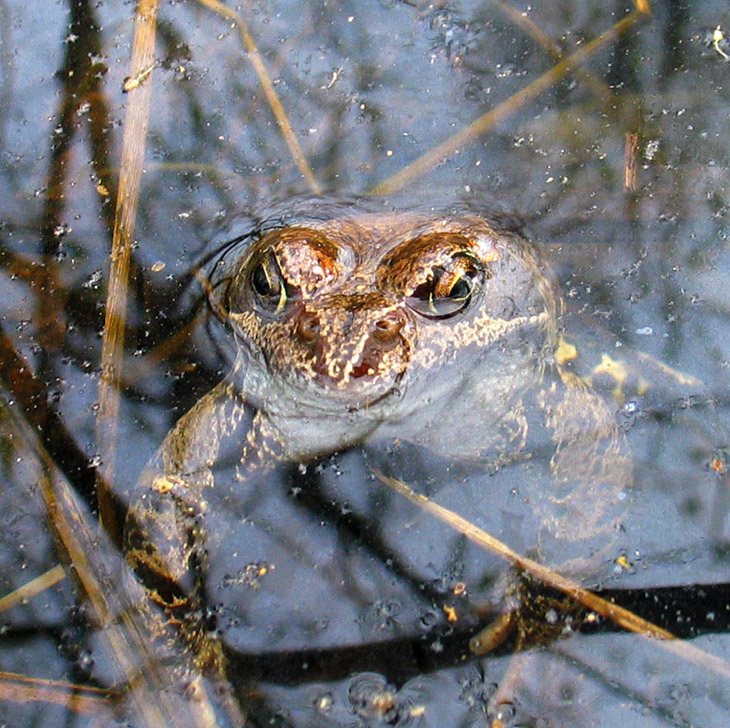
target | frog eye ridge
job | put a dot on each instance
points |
(268, 284)
(448, 288)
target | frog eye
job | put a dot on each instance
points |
(269, 284)
(448, 288)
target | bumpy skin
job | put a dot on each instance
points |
(358, 326)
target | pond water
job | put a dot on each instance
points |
(336, 600)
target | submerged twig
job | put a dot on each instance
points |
(466, 135)
(595, 84)
(29, 392)
(77, 698)
(269, 91)
(619, 615)
(98, 569)
(32, 588)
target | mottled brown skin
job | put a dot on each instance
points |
(354, 326)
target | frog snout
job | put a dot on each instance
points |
(353, 344)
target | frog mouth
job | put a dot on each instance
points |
(369, 365)
(361, 383)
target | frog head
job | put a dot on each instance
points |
(340, 309)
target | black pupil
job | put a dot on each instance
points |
(260, 282)
(461, 289)
(423, 292)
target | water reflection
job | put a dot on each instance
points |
(326, 580)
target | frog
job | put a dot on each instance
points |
(367, 338)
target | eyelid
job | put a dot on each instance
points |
(409, 262)
(310, 259)
(448, 266)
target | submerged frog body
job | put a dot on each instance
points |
(416, 344)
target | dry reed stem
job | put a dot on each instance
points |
(77, 698)
(623, 617)
(269, 91)
(631, 161)
(468, 134)
(32, 588)
(133, 150)
(128, 642)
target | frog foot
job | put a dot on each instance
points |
(537, 614)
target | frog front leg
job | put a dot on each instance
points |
(165, 545)
(166, 548)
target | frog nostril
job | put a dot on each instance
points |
(307, 327)
(386, 329)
